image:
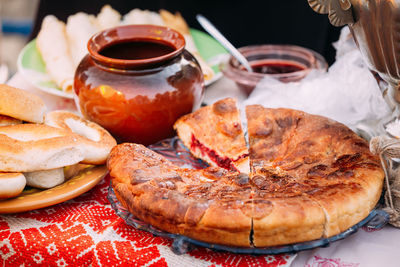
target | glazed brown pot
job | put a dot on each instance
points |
(138, 100)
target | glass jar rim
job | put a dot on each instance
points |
(231, 67)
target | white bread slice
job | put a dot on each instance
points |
(11, 184)
(21, 104)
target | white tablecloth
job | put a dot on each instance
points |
(364, 248)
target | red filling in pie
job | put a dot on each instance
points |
(223, 162)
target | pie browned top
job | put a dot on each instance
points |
(293, 153)
(310, 177)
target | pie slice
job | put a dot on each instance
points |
(322, 160)
(214, 134)
(212, 205)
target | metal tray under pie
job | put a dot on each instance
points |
(176, 152)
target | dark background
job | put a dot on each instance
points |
(245, 22)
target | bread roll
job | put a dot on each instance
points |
(73, 170)
(138, 16)
(21, 104)
(52, 44)
(177, 23)
(108, 18)
(45, 179)
(80, 27)
(6, 120)
(34, 147)
(51, 178)
(97, 142)
(11, 184)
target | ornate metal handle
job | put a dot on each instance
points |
(339, 11)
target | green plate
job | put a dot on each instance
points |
(32, 66)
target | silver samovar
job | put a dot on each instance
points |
(375, 25)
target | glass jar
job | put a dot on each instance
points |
(287, 63)
(138, 99)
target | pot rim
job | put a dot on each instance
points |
(126, 33)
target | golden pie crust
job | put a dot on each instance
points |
(310, 178)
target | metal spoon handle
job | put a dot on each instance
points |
(210, 28)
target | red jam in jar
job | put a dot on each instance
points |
(286, 63)
(136, 81)
(276, 67)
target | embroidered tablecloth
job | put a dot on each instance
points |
(86, 231)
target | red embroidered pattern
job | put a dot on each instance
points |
(86, 231)
(318, 261)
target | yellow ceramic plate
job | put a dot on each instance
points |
(35, 198)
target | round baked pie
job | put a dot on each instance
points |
(310, 177)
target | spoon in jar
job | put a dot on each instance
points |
(210, 28)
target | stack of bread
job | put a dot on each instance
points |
(38, 149)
